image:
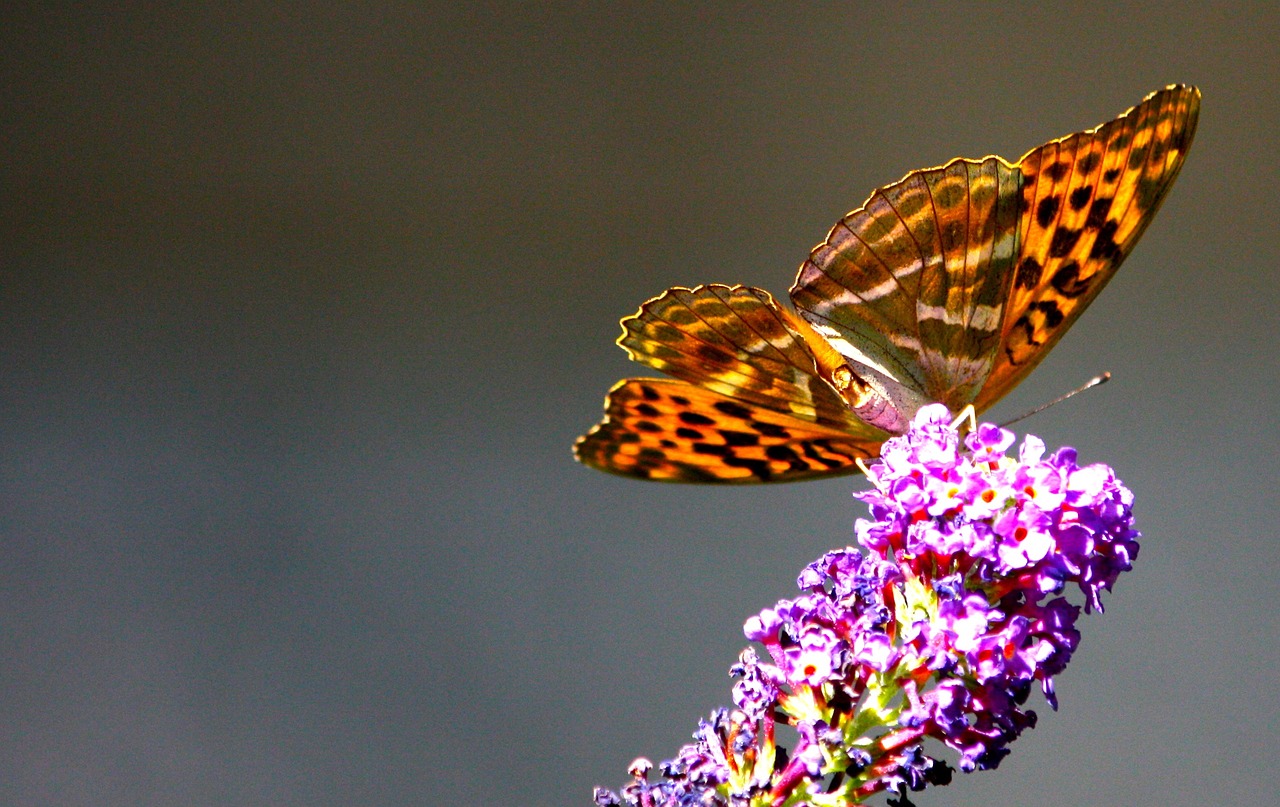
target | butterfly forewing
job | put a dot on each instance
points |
(1087, 199)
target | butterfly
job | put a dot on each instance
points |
(947, 286)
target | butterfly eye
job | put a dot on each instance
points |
(842, 378)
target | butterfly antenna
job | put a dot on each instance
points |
(1093, 382)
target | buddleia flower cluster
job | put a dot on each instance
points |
(939, 629)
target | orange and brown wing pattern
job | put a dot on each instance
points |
(911, 285)
(949, 285)
(1087, 198)
(736, 340)
(673, 431)
(752, 404)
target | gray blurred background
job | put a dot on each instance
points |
(301, 308)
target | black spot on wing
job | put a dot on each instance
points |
(1109, 176)
(649, 393)
(1180, 139)
(1064, 240)
(1028, 274)
(641, 465)
(771, 430)
(647, 409)
(712, 449)
(811, 451)
(1052, 318)
(688, 434)
(733, 410)
(1052, 314)
(695, 419)
(1057, 171)
(1024, 198)
(785, 454)
(1105, 246)
(1081, 196)
(1098, 213)
(781, 453)
(1047, 209)
(1089, 162)
(1029, 331)
(1067, 282)
(739, 439)
(758, 468)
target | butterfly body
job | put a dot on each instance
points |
(947, 286)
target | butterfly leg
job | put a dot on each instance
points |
(969, 414)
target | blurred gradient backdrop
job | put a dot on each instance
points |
(302, 307)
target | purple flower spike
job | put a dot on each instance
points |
(940, 629)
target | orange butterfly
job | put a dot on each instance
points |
(949, 285)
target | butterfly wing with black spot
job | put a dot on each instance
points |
(1087, 199)
(752, 404)
(673, 431)
(953, 283)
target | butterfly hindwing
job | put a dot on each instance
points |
(910, 285)
(673, 431)
(958, 308)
